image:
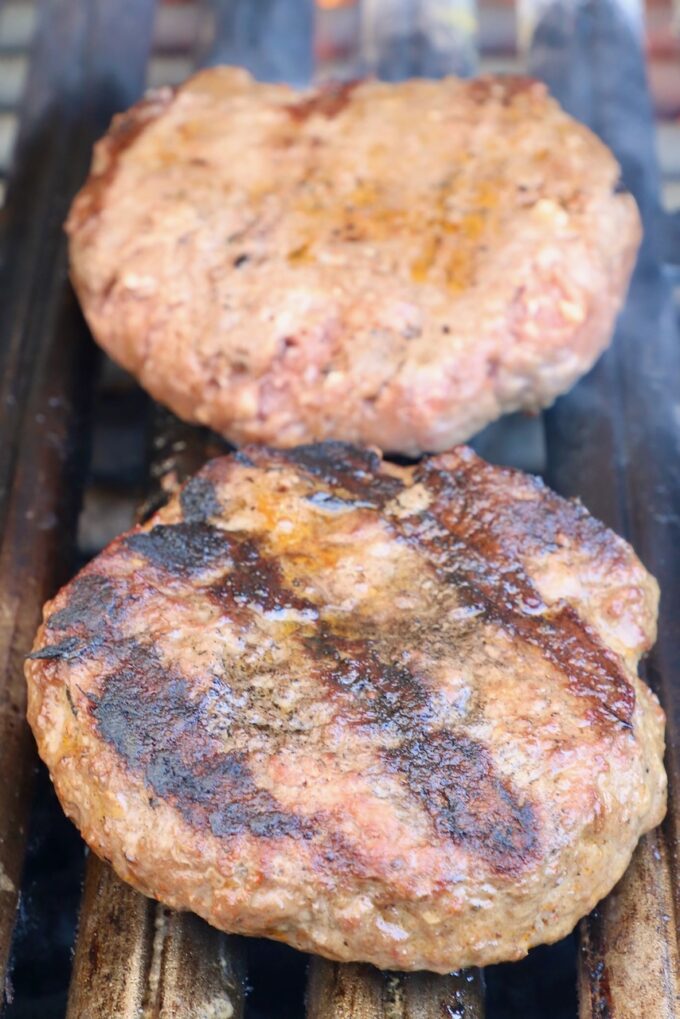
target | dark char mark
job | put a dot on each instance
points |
(199, 501)
(162, 731)
(372, 692)
(66, 649)
(451, 776)
(151, 719)
(91, 601)
(182, 548)
(454, 779)
(329, 101)
(484, 568)
(256, 580)
(344, 466)
(253, 580)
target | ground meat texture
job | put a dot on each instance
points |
(396, 264)
(380, 713)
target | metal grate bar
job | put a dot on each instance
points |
(40, 513)
(74, 83)
(181, 32)
(362, 992)
(136, 959)
(114, 951)
(177, 26)
(629, 963)
(271, 38)
(614, 442)
(403, 38)
(43, 361)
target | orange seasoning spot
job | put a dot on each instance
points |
(300, 255)
(421, 266)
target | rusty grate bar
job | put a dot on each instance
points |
(43, 387)
(135, 958)
(614, 442)
(629, 962)
(361, 992)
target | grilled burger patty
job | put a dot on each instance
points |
(388, 264)
(380, 713)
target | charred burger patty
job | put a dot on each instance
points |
(380, 713)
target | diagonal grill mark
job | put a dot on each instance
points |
(507, 595)
(455, 780)
(489, 818)
(181, 548)
(91, 600)
(255, 581)
(150, 718)
(340, 465)
(480, 575)
(563, 639)
(450, 775)
(376, 693)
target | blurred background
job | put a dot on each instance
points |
(473, 35)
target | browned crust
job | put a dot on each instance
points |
(550, 329)
(329, 101)
(125, 129)
(114, 717)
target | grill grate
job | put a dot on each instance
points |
(134, 957)
(614, 441)
(362, 992)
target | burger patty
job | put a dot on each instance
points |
(396, 264)
(380, 713)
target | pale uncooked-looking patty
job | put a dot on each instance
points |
(379, 713)
(388, 264)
